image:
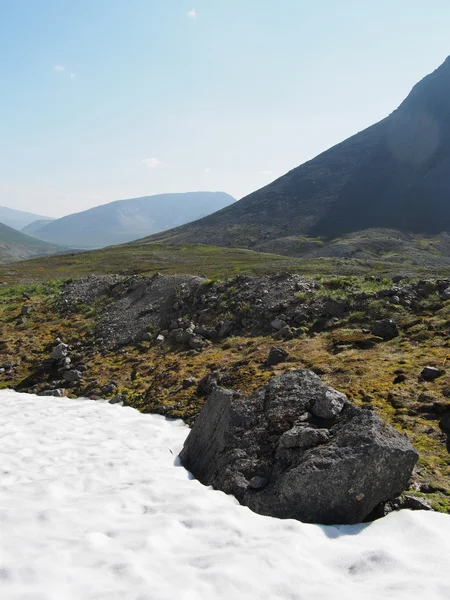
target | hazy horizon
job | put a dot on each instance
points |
(106, 101)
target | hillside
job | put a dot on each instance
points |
(125, 220)
(18, 219)
(34, 226)
(394, 175)
(15, 245)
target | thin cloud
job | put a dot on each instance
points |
(58, 68)
(192, 13)
(154, 163)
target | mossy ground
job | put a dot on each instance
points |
(384, 376)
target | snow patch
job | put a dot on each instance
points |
(95, 506)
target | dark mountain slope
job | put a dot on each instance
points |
(15, 245)
(395, 175)
(125, 220)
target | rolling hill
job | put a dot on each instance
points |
(125, 220)
(395, 175)
(18, 219)
(15, 245)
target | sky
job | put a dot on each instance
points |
(102, 100)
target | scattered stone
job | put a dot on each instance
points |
(357, 463)
(59, 393)
(160, 338)
(430, 373)
(386, 329)
(26, 310)
(445, 295)
(276, 355)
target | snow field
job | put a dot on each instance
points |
(95, 506)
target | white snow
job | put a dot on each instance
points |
(94, 507)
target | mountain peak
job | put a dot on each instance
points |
(394, 175)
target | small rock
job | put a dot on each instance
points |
(117, 399)
(386, 329)
(160, 338)
(285, 333)
(278, 324)
(108, 388)
(196, 342)
(189, 382)
(26, 309)
(276, 355)
(59, 352)
(72, 375)
(445, 295)
(329, 405)
(430, 373)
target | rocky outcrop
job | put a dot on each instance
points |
(298, 449)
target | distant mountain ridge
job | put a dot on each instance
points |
(18, 219)
(394, 175)
(126, 220)
(15, 245)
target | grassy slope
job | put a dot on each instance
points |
(15, 245)
(211, 261)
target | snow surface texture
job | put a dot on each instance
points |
(94, 506)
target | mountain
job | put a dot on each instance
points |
(395, 175)
(15, 245)
(18, 219)
(126, 220)
(32, 227)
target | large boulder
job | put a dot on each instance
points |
(298, 449)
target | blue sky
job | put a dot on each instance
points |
(102, 100)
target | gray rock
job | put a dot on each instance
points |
(59, 352)
(285, 333)
(119, 399)
(445, 295)
(108, 388)
(225, 328)
(350, 468)
(196, 342)
(26, 310)
(430, 373)
(160, 338)
(278, 324)
(386, 329)
(329, 404)
(72, 375)
(276, 355)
